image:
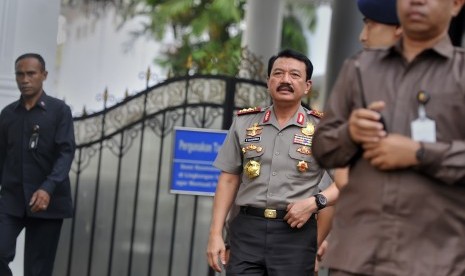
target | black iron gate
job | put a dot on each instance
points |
(126, 220)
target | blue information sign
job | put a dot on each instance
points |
(194, 150)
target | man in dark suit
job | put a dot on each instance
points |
(36, 151)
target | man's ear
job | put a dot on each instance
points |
(309, 85)
(458, 4)
(398, 31)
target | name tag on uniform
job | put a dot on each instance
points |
(252, 139)
(423, 129)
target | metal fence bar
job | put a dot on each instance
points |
(97, 187)
(155, 204)
(115, 207)
(136, 194)
(228, 107)
(73, 221)
(173, 236)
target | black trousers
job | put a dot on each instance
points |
(271, 247)
(41, 242)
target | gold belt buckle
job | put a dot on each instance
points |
(270, 213)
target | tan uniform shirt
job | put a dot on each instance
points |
(258, 137)
(402, 222)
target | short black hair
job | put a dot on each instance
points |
(289, 53)
(32, 55)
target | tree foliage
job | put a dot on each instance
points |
(207, 33)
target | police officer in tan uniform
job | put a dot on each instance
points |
(269, 171)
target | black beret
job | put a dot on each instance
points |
(382, 11)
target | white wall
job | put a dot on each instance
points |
(92, 57)
(262, 34)
(26, 26)
(319, 45)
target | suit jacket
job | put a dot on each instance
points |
(407, 221)
(36, 151)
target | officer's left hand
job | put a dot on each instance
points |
(299, 212)
(39, 201)
(392, 152)
(216, 252)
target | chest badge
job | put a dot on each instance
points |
(305, 150)
(302, 166)
(308, 130)
(302, 140)
(252, 147)
(254, 130)
(252, 169)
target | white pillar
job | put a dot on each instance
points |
(7, 21)
(26, 26)
(346, 24)
(262, 35)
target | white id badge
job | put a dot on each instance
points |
(423, 129)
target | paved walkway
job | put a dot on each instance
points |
(17, 264)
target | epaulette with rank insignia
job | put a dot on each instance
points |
(250, 110)
(316, 113)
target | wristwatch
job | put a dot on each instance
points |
(420, 154)
(321, 201)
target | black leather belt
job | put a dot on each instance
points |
(263, 213)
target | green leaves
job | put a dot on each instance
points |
(208, 33)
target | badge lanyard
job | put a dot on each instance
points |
(423, 129)
(34, 140)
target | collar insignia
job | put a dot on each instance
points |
(300, 118)
(267, 116)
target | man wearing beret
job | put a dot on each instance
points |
(402, 212)
(381, 29)
(381, 26)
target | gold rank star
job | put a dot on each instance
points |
(254, 130)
